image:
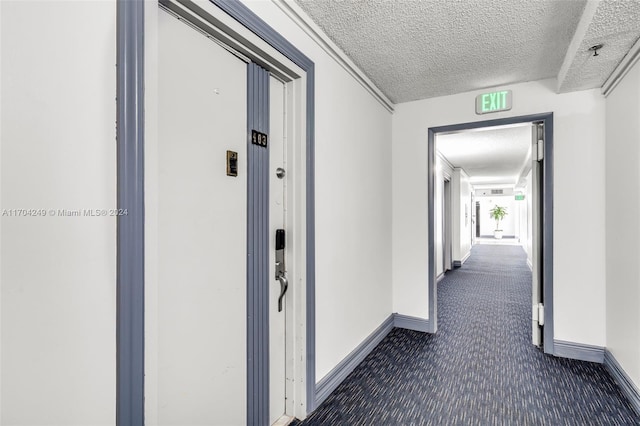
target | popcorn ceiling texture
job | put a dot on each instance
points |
(421, 49)
(616, 24)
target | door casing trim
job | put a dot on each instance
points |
(258, 243)
(130, 302)
(547, 215)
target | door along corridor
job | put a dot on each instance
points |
(480, 368)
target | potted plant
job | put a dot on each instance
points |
(498, 213)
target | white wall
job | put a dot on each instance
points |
(462, 226)
(58, 273)
(622, 226)
(579, 267)
(525, 208)
(466, 207)
(353, 212)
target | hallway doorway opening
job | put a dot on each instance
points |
(491, 183)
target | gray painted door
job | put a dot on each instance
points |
(199, 375)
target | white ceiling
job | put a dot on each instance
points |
(416, 49)
(616, 25)
(492, 157)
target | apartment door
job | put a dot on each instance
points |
(201, 230)
(220, 335)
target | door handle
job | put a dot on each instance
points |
(280, 267)
(284, 285)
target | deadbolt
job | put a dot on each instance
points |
(280, 172)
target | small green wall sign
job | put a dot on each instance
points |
(519, 197)
(494, 102)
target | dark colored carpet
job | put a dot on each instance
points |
(480, 368)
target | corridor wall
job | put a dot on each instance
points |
(462, 226)
(622, 205)
(58, 262)
(525, 224)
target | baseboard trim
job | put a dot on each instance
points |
(530, 265)
(340, 372)
(578, 351)
(411, 323)
(629, 389)
(459, 263)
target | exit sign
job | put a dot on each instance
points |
(493, 102)
(519, 197)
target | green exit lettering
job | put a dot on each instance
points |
(493, 102)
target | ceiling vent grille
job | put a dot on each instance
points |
(497, 192)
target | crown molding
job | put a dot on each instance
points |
(622, 69)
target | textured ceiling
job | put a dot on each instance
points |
(616, 25)
(489, 156)
(415, 49)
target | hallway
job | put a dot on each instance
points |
(480, 368)
(214, 212)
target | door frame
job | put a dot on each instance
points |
(130, 134)
(130, 274)
(547, 216)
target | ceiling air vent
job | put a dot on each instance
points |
(496, 192)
